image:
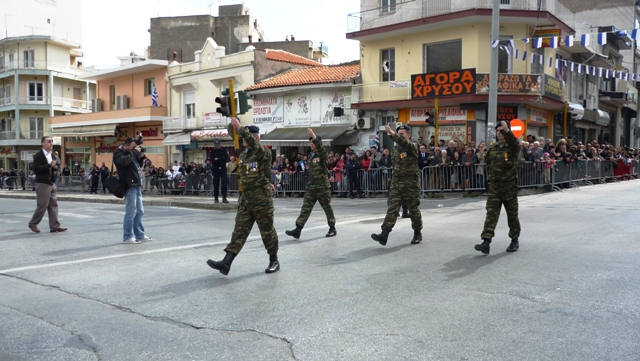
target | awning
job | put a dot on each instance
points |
(576, 110)
(603, 118)
(298, 137)
(177, 139)
(85, 130)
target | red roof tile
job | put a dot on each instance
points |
(316, 75)
(281, 55)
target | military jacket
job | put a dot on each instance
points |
(255, 167)
(318, 166)
(405, 157)
(502, 159)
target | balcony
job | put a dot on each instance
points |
(27, 137)
(404, 11)
(385, 91)
(8, 66)
(8, 135)
(183, 123)
(134, 115)
(59, 103)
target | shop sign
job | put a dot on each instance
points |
(149, 133)
(590, 115)
(297, 109)
(106, 148)
(444, 114)
(268, 110)
(209, 135)
(507, 113)
(552, 87)
(449, 83)
(510, 83)
(211, 118)
(452, 132)
(537, 115)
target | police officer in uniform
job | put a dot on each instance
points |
(256, 203)
(318, 187)
(502, 162)
(219, 159)
(405, 185)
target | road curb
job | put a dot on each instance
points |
(148, 201)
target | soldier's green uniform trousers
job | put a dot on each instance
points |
(249, 212)
(404, 189)
(323, 196)
(497, 196)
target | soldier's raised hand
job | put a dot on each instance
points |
(311, 133)
(235, 122)
(389, 130)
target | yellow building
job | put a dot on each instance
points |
(399, 41)
(39, 79)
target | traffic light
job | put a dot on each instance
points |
(224, 108)
(430, 120)
(338, 112)
(243, 103)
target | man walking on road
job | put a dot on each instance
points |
(128, 158)
(46, 166)
(502, 163)
(405, 185)
(219, 158)
(318, 187)
(255, 203)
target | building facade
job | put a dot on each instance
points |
(193, 123)
(122, 107)
(40, 78)
(406, 44)
(59, 19)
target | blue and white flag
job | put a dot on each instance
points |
(524, 55)
(377, 141)
(584, 40)
(568, 40)
(580, 68)
(550, 62)
(512, 44)
(587, 69)
(602, 38)
(495, 43)
(600, 72)
(554, 42)
(526, 40)
(573, 66)
(516, 54)
(634, 34)
(533, 58)
(608, 74)
(154, 96)
(541, 59)
(537, 43)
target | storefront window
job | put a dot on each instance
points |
(78, 158)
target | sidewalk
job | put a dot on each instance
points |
(199, 202)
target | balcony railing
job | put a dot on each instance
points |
(375, 92)
(8, 135)
(33, 134)
(405, 10)
(8, 66)
(206, 121)
(67, 103)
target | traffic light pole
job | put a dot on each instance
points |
(435, 121)
(236, 140)
(492, 111)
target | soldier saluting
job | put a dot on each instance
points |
(318, 187)
(255, 203)
(405, 185)
(502, 161)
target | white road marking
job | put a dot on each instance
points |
(169, 249)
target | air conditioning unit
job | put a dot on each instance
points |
(96, 105)
(122, 102)
(365, 123)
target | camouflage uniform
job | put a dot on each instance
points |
(502, 164)
(405, 184)
(318, 187)
(255, 203)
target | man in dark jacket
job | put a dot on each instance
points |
(219, 158)
(129, 158)
(352, 167)
(104, 174)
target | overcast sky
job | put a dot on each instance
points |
(115, 27)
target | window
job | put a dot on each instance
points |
(28, 58)
(2, 65)
(36, 92)
(387, 6)
(536, 67)
(11, 59)
(505, 64)
(112, 97)
(440, 57)
(148, 86)
(189, 101)
(388, 62)
(36, 127)
(7, 95)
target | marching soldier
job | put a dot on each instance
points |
(502, 162)
(405, 185)
(318, 187)
(255, 203)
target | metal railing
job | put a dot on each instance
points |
(206, 121)
(21, 64)
(375, 16)
(553, 176)
(8, 135)
(383, 91)
(67, 103)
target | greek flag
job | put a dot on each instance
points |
(154, 96)
(377, 141)
(602, 38)
(537, 43)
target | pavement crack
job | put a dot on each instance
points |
(522, 297)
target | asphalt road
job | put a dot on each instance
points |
(570, 292)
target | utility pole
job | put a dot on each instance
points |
(492, 111)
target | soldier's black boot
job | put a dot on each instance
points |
(295, 233)
(332, 232)
(405, 214)
(224, 200)
(417, 237)
(382, 237)
(274, 265)
(223, 266)
(216, 200)
(484, 246)
(514, 245)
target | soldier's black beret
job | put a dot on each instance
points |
(506, 121)
(253, 129)
(405, 127)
